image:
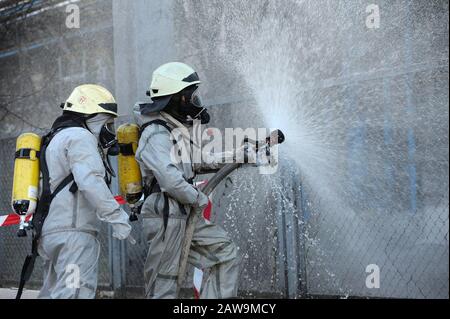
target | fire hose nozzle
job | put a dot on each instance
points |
(276, 137)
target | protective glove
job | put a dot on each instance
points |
(246, 154)
(201, 202)
(122, 234)
(121, 229)
(267, 158)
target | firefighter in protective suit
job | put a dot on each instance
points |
(81, 138)
(169, 191)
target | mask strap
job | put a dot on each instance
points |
(198, 114)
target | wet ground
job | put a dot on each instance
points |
(7, 293)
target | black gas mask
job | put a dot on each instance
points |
(195, 107)
(108, 142)
(187, 107)
(107, 139)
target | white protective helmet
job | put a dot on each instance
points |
(169, 79)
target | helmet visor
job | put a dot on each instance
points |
(108, 135)
(196, 99)
(111, 128)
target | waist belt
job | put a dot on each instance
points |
(155, 188)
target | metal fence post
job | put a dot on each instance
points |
(282, 254)
(117, 252)
(291, 248)
(116, 261)
(302, 218)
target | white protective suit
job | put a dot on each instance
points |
(69, 244)
(211, 245)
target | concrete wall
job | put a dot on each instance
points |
(42, 60)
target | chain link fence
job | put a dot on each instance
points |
(410, 251)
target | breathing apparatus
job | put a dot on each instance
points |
(130, 179)
(187, 107)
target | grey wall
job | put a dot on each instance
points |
(143, 38)
(42, 60)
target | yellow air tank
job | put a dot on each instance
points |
(130, 179)
(26, 174)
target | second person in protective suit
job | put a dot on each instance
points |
(80, 140)
(169, 190)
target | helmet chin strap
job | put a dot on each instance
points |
(198, 114)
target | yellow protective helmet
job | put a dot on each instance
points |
(91, 99)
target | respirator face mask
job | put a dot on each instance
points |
(102, 126)
(107, 139)
(196, 111)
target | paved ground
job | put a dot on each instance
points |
(11, 294)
